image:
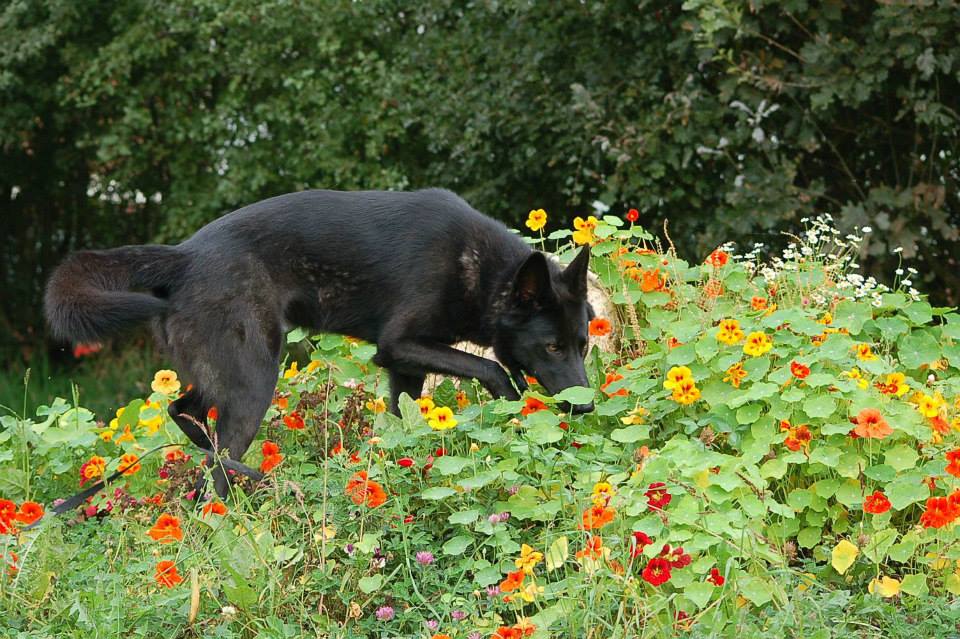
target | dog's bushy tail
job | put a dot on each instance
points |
(89, 295)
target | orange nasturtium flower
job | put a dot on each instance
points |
(717, 259)
(651, 281)
(686, 392)
(593, 549)
(953, 467)
(757, 344)
(167, 529)
(610, 379)
(865, 352)
(166, 574)
(513, 581)
(941, 511)
(797, 436)
(758, 303)
(29, 512)
(294, 421)
(215, 508)
(532, 405)
(92, 468)
(271, 456)
(129, 464)
(365, 491)
(798, 370)
(730, 332)
(597, 516)
(600, 326)
(876, 504)
(871, 424)
(735, 375)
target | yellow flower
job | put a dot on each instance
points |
(536, 220)
(441, 419)
(686, 392)
(115, 422)
(129, 464)
(585, 227)
(530, 592)
(152, 424)
(602, 492)
(826, 320)
(291, 372)
(426, 406)
(528, 559)
(462, 400)
(955, 423)
(676, 376)
(635, 417)
(377, 405)
(855, 374)
(107, 435)
(735, 375)
(313, 365)
(729, 332)
(930, 406)
(166, 382)
(807, 579)
(898, 383)
(325, 533)
(865, 352)
(885, 587)
(757, 344)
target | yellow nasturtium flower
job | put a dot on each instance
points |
(757, 344)
(166, 382)
(584, 230)
(536, 220)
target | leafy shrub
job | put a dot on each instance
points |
(773, 429)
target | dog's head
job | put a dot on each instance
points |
(544, 329)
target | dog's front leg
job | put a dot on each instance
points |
(409, 357)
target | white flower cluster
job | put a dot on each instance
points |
(821, 242)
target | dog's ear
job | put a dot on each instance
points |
(575, 275)
(531, 284)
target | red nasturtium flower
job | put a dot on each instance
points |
(657, 571)
(953, 467)
(405, 462)
(600, 326)
(871, 424)
(716, 578)
(940, 512)
(637, 543)
(718, 258)
(167, 575)
(532, 405)
(633, 215)
(8, 510)
(800, 371)
(677, 558)
(29, 512)
(294, 421)
(271, 456)
(167, 529)
(365, 491)
(657, 496)
(797, 436)
(876, 504)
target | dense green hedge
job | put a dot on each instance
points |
(729, 119)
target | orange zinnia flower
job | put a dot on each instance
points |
(166, 530)
(871, 424)
(597, 516)
(29, 512)
(167, 575)
(600, 326)
(365, 491)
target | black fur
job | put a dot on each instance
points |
(412, 273)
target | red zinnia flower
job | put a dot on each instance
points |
(876, 503)
(657, 572)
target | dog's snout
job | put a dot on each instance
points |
(579, 409)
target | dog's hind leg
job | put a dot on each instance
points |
(412, 385)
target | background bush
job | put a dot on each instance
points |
(139, 120)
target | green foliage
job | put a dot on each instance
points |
(753, 478)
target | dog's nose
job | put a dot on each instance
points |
(579, 409)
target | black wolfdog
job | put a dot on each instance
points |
(409, 272)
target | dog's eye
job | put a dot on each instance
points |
(553, 348)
